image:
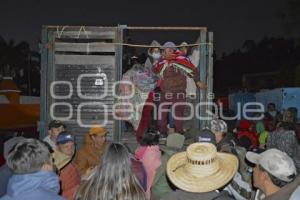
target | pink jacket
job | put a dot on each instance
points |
(150, 156)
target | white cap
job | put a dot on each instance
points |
(275, 162)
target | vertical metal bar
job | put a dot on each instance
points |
(210, 71)
(50, 76)
(43, 88)
(203, 71)
(118, 75)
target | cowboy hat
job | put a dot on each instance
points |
(201, 168)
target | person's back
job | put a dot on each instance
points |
(161, 184)
(70, 180)
(5, 171)
(90, 153)
(33, 178)
(150, 155)
(196, 174)
(39, 186)
(113, 180)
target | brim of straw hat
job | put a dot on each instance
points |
(179, 177)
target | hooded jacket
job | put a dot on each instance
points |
(149, 61)
(5, 174)
(88, 156)
(37, 186)
(245, 131)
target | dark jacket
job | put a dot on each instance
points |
(226, 145)
(37, 186)
(182, 195)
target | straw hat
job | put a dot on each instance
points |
(201, 168)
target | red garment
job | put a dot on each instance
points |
(179, 111)
(146, 118)
(70, 181)
(246, 129)
(173, 79)
(245, 124)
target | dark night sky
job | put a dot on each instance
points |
(232, 21)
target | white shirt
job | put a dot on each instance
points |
(50, 142)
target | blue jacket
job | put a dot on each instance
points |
(37, 186)
(5, 174)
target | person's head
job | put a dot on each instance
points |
(206, 135)
(245, 125)
(98, 135)
(219, 128)
(271, 107)
(175, 141)
(65, 143)
(154, 51)
(274, 169)
(9, 145)
(245, 142)
(169, 48)
(114, 177)
(30, 156)
(201, 168)
(290, 116)
(55, 127)
(150, 138)
(184, 48)
(286, 126)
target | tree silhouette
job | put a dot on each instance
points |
(13, 56)
(268, 55)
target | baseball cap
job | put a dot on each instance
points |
(206, 136)
(98, 130)
(275, 162)
(56, 124)
(218, 125)
(170, 45)
(64, 137)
